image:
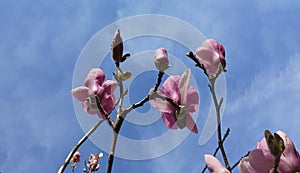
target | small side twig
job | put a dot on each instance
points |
(79, 143)
(237, 163)
(198, 64)
(110, 121)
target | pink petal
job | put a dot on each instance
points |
(190, 124)
(81, 93)
(214, 165)
(183, 85)
(290, 155)
(94, 79)
(170, 88)
(263, 146)
(160, 104)
(216, 47)
(259, 162)
(107, 99)
(192, 99)
(169, 120)
(245, 166)
(208, 58)
(109, 87)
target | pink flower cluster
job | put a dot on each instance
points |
(94, 85)
(93, 162)
(75, 158)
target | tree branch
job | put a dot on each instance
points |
(79, 143)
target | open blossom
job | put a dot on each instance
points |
(117, 47)
(214, 165)
(161, 60)
(261, 160)
(211, 54)
(183, 95)
(94, 85)
(93, 162)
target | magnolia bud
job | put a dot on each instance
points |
(211, 54)
(161, 59)
(117, 47)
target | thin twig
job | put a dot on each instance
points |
(237, 163)
(217, 107)
(198, 64)
(117, 127)
(217, 149)
(79, 143)
(107, 117)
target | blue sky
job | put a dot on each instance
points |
(40, 44)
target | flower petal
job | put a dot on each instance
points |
(208, 58)
(160, 104)
(214, 165)
(190, 124)
(259, 161)
(168, 119)
(183, 85)
(170, 89)
(94, 79)
(81, 93)
(290, 154)
(107, 98)
(192, 99)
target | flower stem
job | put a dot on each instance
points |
(116, 127)
(79, 143)
(110, 121)
(121, 114)
(217, 107)
(217, 149)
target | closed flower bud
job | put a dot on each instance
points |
(161, 59)
(211, 54)
(117, 47)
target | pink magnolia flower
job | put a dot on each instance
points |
(211, 54)
(161, 60)
(94, 85)
(185, 96)
(75, 158)
(214, 165)
(117, 47)
(261, 160)
(93, 162)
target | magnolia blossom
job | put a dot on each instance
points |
(214, 165)
(261, 160)
(93, 162)
(211, 54)
(184, 96)
(117, 47)
(94, 86)
(161, 60)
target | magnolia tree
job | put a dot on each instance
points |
(177, 101)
